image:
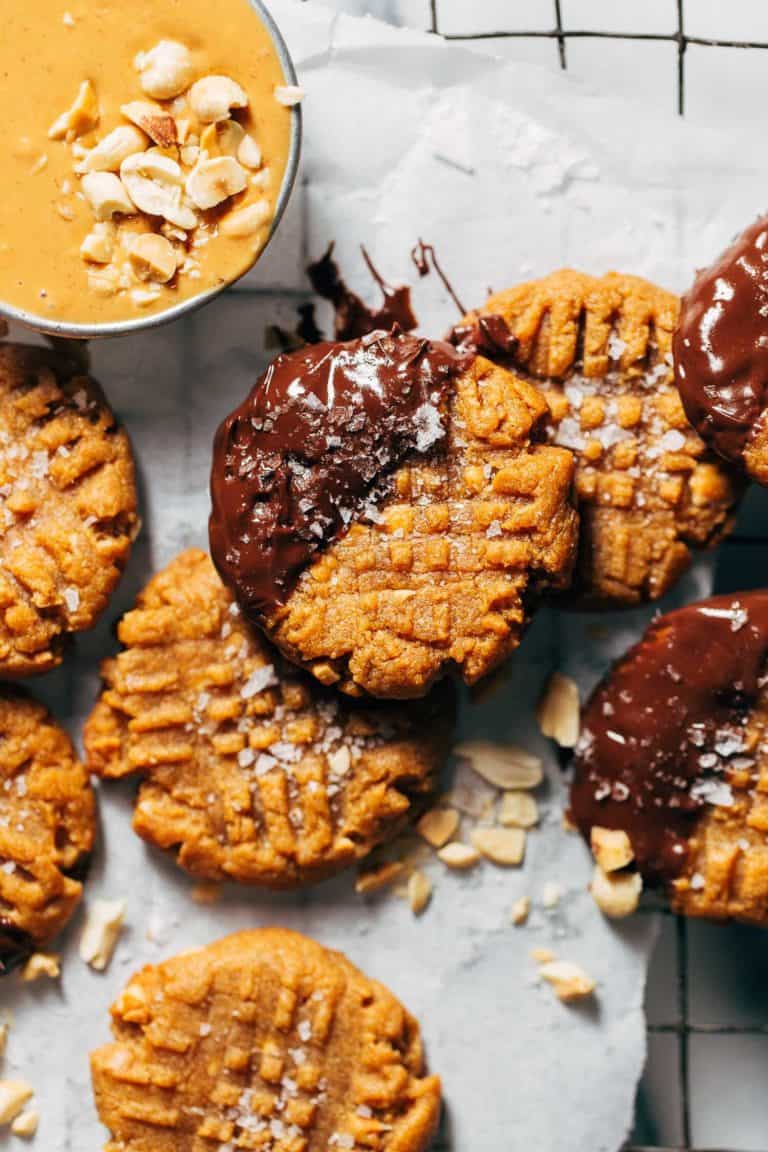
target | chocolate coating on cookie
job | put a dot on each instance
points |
(667, 724)
(721, 345)
(316, 439)
(488, 336)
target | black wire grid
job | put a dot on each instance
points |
(738, 554)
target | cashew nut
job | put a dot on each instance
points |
(213, 181)
(222, 139)
(154, 183)
(152, 257)
(213, 97)
(110, 152)
(166, 70)
(249, 153)
(98, 246)
(247, 220)
(158, 124)
(107, 196)
(289, 94)
(82, 117)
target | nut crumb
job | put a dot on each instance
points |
(419, 892)
(521, 910)
(14, 1094)
(543, 955)
(438, 826)
(558, 712)
(41, 964)
(26, 1123)
(289, 94)
(611, 848)
(518, 810)
(378, 878)
(551, 893)
(569, 981)
(458, 855)
(505, 846)
(617, 894)
(103, 924)
(504, 765)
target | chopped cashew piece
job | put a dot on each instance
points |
(611, 848)
(569, 981)
(521, 910)
(107, 195)
(213, 181)
(82, 117)
(503, 765)
(110, 152)
(14, 1094)
(99, 245)
(41, 964)
(249, 153)
(419, 892)
(518, 810)
(154, 183)
(542, 955)
(26, 1123)
(551, 893)
(558, 711)
(617, 894)
(222, 139)
(289, 94)
(378, 878)
(105, 281)
(166, 70)
(505, 846)
(458, 855)
(103, 924)
(214, 97)
(438, 826)
(247, 220)
(153, 257)
(158, 124)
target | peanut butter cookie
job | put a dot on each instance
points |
(673, 755)
(47, 827)
(649, 490)
(383, 509)
(721, 352)
(67, 506)
(250, 771)
(263, 1040)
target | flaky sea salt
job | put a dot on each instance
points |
(71, 599)
(259, 680)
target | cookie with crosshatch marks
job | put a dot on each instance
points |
(67, 506)
(673, 757)
(263, 1040)
(249, 770)
(384, 510)
(47, 827)
(601, 351)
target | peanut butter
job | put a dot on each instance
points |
(143, 153)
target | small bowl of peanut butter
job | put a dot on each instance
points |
(151, 153)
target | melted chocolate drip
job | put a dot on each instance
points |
(16, 946)
(317, 438)
(353, 317)
(488, 336)
(721, 344)
(660, 730)
(421, 255)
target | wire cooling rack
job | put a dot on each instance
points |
(707, 1003)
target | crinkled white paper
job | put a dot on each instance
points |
(510, 172)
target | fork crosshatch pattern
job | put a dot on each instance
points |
(707, 1008)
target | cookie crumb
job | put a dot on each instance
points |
(41, 964)
(558, 712)
(206, 892)
(103, 925)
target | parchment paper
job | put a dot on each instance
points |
(510, 171)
